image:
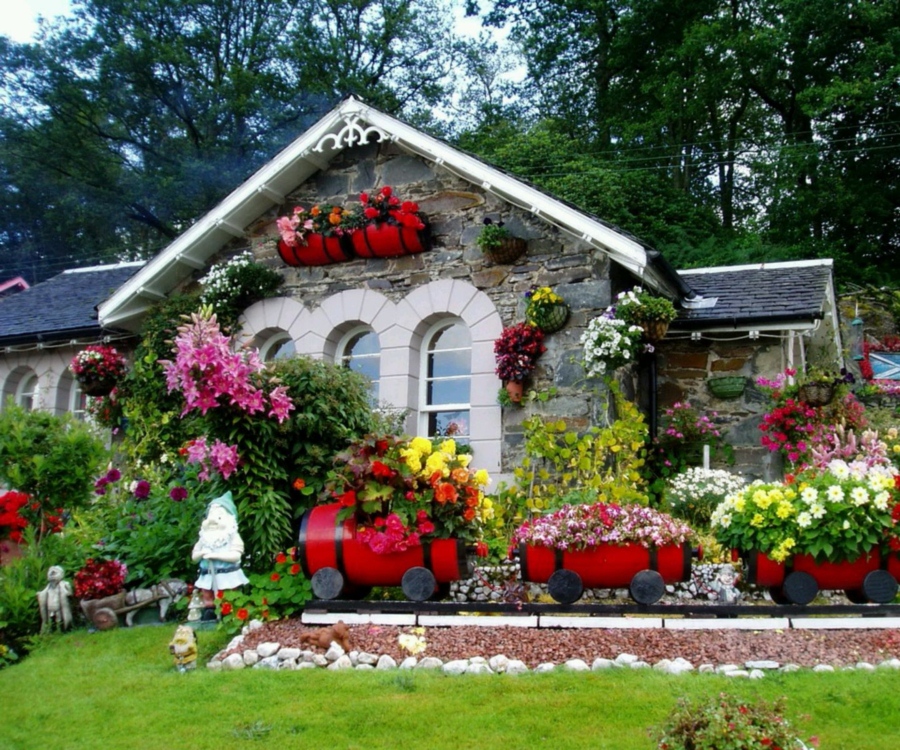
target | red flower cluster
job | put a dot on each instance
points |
(517, 351)
(384, 206)
(98, 362)
(11, 520)
(791, 428)
(99, 578)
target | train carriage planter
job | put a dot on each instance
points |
(798, 580)
(644, 571)
(339, 565)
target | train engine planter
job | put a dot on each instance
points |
(870, 578)
(339, 565)
(604, 545)
(836, 527)
(397, 512)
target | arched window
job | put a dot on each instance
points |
(77, 401)
(446, 381)
(26, 393)
(279, 346)
(360, 350)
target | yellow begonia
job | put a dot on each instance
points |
(436, 462)
(421, 445)
(413, 459)
(482, 478)
(448, 447)
(464, 459)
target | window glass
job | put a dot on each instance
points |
(27, 391)
(361, 352)
(278, 347)
(447, 381)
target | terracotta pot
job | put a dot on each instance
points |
(515, 389)
(388, 241)
(315, 250)
(331, 550)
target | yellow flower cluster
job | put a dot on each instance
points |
(545, 295)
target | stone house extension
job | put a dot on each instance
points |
(423, 325)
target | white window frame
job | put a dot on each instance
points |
(78, 401)
(272, 343)
(342, 358)
(28, 388)
(425, 409)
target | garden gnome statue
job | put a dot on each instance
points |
(54, 601)
(725, 586)
(218, 551)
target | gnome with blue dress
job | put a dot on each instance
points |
(218, 552)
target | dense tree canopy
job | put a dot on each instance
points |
(717, 131)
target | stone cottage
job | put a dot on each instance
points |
(423, 324)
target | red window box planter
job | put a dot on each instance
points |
(340, 565)
(644, 571)
(315, 250)
(388, 241)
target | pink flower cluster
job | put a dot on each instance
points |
(580, 527)
(209, 374)
(219, 457)
(389, 534)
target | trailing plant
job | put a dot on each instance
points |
(52, 459)
(606, 460)
(492, 235)
(638, 306)
(234, 285)
(609, 343)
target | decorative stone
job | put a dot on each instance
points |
(516, 666)
(306, 665)
(270, 662)
(457, 666)
(545, 667)
(624, 660)
(706, 669)
(234, 643)
(791, 668)
(386, 662)
(757, 674)
(334, 652)
(250, 657)
(498, 663)
(823, 668)
(214, 664)
(576, 665)
(342, 662)
(365, 667)
(409, 663)
(233, 661)
(737, 673)
(265, 650)
(599, 664)
(639, 665)
(287, 664)
(762, 664)
(890, 664)
(864, 666)
(430, 662)
(288, 653)
(722, 668)
(363, 657)
(479, 668)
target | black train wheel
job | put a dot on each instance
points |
(565, 586)
(647, 587)
(327, 583)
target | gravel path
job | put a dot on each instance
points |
(806, 648)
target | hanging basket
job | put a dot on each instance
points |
(816, 394)
(97, 388)
(509, 251)
(655, 330)
(549, 318)
(727, 386)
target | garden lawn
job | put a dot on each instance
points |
(118, 690)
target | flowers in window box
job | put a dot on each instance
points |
(838, 514)
(327, 220)
(517, 350)
(99, 578)
(609, 343)
(545, 309)
(406, 491)
(382, 206)
(581, 527)
(97, 367)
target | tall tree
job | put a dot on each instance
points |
(144, 113)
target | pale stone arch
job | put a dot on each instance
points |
(271, 317)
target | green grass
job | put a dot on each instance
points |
(118, 690)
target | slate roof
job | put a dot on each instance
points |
(62, 307)
(759, 294)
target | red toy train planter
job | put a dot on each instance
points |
(338, 564)
(645, 572)
(871, 578)
(373, 241)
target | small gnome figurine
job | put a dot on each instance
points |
(725, 586)
(183, 648)
(54, 601)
